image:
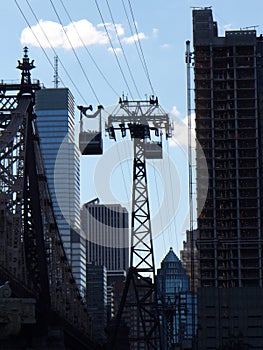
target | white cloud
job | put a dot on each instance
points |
(180, 132)
(111, 27)
(166, 46)
(175, 113)
(155, 32)
(57, 38)
(131, 39)
(117, 50)
(227, 27)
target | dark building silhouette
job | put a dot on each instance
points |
(228, 95)
(97, 300)
(188, 256)
(106, 228)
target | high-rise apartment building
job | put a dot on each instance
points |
(228, 95)
(55, 120)
(106, 228)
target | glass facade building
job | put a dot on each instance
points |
(176, 303)
(55, 121)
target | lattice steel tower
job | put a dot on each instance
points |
(139, 301)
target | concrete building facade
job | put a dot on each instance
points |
(228, 99)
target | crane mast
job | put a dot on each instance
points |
(141, 119)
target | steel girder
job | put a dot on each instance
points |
(32, 256)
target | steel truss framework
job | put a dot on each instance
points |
(32, 256)
(139, 299)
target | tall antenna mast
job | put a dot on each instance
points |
(55, 81)
(188, 59)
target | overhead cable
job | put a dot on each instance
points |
(87, 50)
(124, 55)
(44, 51)
(141, 50)
(75, 54)
(114, 51)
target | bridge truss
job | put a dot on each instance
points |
(32, 257)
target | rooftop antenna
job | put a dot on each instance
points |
(250, 27)
(55, 81)
(201, 7)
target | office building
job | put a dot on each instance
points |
(106, 228)
(97, 300)
(55, 120)
(175, 303)
(228, 95)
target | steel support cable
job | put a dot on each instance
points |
(124, 55)
(87, 50)
(159, 204)
(74, 52)
(110, 41)
(132, 33)
(141, 50)
(172, 190)
(40, 45)
(122, 172)
(130, 155)
(168, 213)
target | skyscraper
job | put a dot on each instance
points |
(55, 120)
(175, 302)
(228, 95)
(106, 228)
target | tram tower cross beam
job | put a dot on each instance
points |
(140, 118)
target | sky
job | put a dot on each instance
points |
(93, 66)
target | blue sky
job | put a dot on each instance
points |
(163, 26)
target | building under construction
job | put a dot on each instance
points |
(228, 96)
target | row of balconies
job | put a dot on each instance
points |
(229, 266)
(224, 85)
(226, 105)
(230, 115)
(226, 125)
(223, 66)
(231, 165)
(226, 76)
(245, 139)
(240, 96)
(230, 220)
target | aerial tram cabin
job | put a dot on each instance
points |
(153, 150)
(90, 141)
